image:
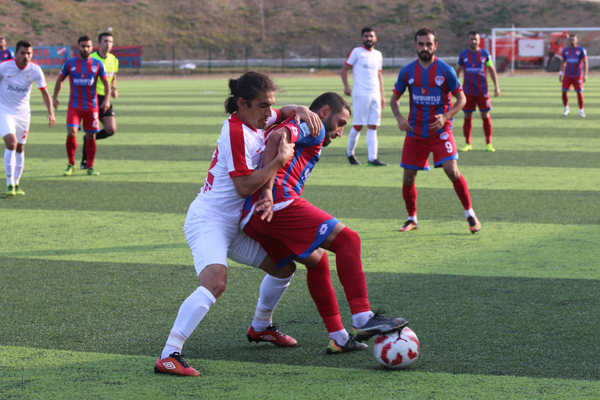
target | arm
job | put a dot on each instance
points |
(344, 75)
(458, 70)
(106, 103)
(381, 89)
(248, 184)
(395, 106)
(562, 70)
(304, 114)
(48, 104)
(494, 76)
(585, 69)
(441, 119)
(113, 88)
(57, 87)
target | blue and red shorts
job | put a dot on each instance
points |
(415, 154)
(576, 82)
(481, 101)
(294, 232)
(91, 123)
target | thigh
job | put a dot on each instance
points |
(415, 154)
(74, 118)
(567, 82)
(209, 239)
(245, 250)
(578, 84)
(22, 128)
(471, 103)
(7, 125)
(91, 123)
(360, 110)
(374, 114)
(483, 102)
(443, 148)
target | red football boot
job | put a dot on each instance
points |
(174, 364)
(271, 334)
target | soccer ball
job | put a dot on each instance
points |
(397, 350)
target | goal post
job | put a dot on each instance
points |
(520, 48)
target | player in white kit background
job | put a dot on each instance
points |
(16, 77)
(211, 225)
(367, 95)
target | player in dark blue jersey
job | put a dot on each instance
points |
(431, 84)
(575, 71)
(5, 54)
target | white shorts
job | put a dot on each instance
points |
(366, 109)
(16, 124)
(213, 241)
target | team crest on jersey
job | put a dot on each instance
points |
(294, 131)
(410, 81)
(577, 52)
(94, 68)
(439, 80)
(444, 136)
(482, 59)
(424, 91)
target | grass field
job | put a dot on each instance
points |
(93, 269)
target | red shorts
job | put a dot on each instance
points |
(577, 83)
(481, 101)
(294, 232)
(91, 123)
(415, 154)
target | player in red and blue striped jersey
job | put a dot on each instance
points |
(5, 54)
(431, 84)
(476, 62)
(574, 72)
(294, 229)
(83, 72)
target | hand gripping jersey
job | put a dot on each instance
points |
(290, 180)
(366, 65)
(239, 152)
(574, 57)
(83, 75)
(474, 65)
(430, 91)
(15, 86)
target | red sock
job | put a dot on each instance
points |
(90, 151)
(409, 193)
(71, 148)
(487, 129)
(468, 129)
(346, 247)
(318, 280)
(580, 100)
(565, 99)
(462, 190)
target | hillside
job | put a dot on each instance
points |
(232, 29)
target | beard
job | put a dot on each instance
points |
(328, 131)
(369, 45)
(426, 56)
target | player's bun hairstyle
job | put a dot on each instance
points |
(84, 39)
(366, 29)
(248, 87)
(424, 31)
(23, 43)
(100, 36)
(335, 102)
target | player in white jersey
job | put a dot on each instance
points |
(367, 95)
(16, 78)
(211, 225)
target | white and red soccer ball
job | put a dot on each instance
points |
(397, 350)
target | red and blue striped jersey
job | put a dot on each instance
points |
(474, 65)
(574, 57)
(430, 91)
(290, 179)
(83, 75)
(6, 55)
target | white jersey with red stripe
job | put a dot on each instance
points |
(15, 86)
(366, 65)
(239, 152)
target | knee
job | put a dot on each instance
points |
(20, 147)
(215, 287)
(453, 174)
(285, 272)
(111, 130)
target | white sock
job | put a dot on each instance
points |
(413, 218)
(19, 164)
(191, 312)
(340, 337)
(469, 213)
(9, 166)
(359, 320)
(352, 141)
(271, 292)
(372, 144)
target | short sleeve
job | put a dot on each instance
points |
(452, 79)
(300, 134)
(101, 70)
(460, 60)
(352, 57)
(65, 71)
(400, 85)
(40, 79)
(116, 65)
(583, 53)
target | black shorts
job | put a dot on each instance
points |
(102, 114)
